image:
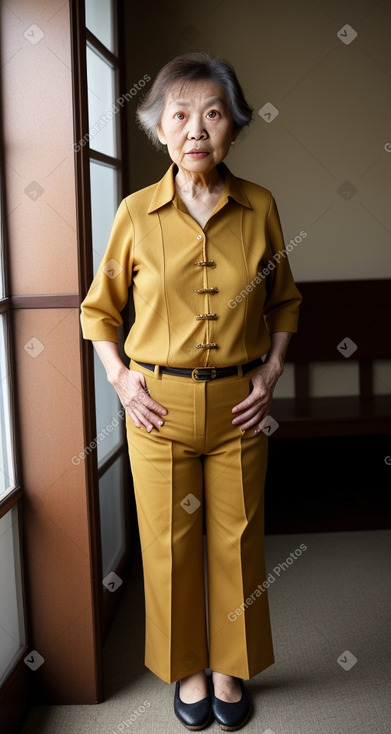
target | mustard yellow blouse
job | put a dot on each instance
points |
(202, 296)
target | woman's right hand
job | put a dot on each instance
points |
(130, 387)
(132, 391)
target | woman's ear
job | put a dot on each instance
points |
(160, 135)
(235, 134)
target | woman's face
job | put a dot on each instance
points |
(197, 120)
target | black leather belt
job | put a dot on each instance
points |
(204, 374)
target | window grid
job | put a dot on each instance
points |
(112, 162)
(10, 490)
(7, 449)
(13, 617)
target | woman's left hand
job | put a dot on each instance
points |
(254, 409)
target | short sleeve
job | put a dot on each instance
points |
(281, 309)
(109, 291)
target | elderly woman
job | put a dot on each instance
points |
(215, 306)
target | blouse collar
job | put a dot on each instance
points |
(165, 190)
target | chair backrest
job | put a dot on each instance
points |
(339, 319)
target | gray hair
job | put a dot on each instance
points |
(183, 70)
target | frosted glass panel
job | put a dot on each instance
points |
(12, 635)
(111, 495)
(99, 20)
(382, 377)
(7, 472)
(104, 203)
(2, 280)
(102, 115)
(329, 379)
(285, 387)
(109, 413)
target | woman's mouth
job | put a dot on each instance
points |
(197, 153)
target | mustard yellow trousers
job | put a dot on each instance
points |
(198, 464)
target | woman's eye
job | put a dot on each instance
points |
(179, 115)
(214, 113)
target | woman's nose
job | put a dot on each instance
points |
(196, 131)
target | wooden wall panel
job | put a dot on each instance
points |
(56, 508)
(38, 132)
(61, 513)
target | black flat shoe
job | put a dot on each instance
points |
(194, 716)
(232, 716)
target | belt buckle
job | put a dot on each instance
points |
(198, 374)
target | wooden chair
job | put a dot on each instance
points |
(332, 314)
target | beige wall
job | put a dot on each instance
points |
(333, 124)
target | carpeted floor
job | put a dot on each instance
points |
(330, 610)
